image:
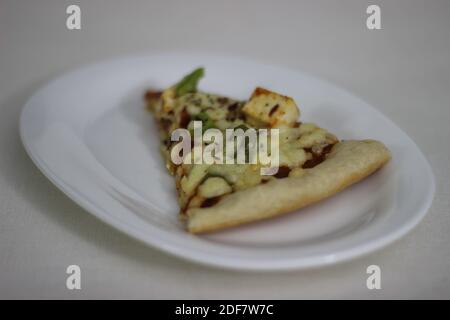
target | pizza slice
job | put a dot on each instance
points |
(312, 163)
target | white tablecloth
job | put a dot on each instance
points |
(403, 70)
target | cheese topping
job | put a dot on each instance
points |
(301, 145)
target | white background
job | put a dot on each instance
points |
(403, 70)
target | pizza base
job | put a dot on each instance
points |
(347, 163)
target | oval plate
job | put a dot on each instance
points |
(89, 133)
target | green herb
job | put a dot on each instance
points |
(203, 116)
(189, 82)
(207, 122)
(242, 126)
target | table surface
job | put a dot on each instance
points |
(402, 69)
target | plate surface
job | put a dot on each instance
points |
(89, 134)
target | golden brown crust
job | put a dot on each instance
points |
(348, 163)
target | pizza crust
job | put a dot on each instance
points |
(347, 163)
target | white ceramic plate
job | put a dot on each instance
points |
(89, 134)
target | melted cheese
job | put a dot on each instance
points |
(264, 109)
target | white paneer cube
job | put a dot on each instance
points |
(272, 109)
